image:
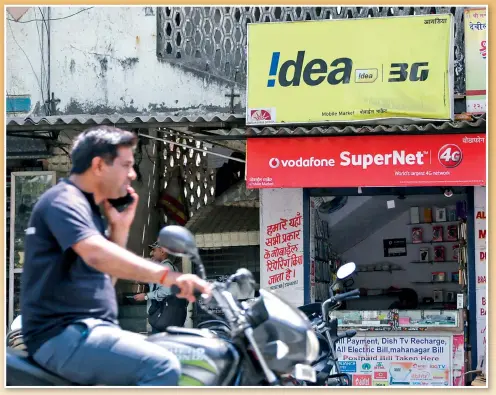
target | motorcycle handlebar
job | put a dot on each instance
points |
(334, 300)
(348, 334)
(176, 290)
(347, 295)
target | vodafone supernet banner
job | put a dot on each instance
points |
(366, 161)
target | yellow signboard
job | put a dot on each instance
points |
(350, 70)
(475, 59)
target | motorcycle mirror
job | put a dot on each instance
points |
(177, 241)
(346, 270)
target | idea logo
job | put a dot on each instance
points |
(362, 380)
(450, 155)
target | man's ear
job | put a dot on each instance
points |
(97, 164)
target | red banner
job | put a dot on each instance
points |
(366, 161)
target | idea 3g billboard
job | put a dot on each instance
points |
(350, 70)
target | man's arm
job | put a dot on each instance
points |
(110, 258)
(70, 220)
(120, 223)
(118, 235)
(159, 294)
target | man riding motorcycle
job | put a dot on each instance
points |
(73, 256)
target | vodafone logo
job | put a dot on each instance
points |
(274, 163)
(450, 155)
(309, 162)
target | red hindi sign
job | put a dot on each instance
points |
(366, 161)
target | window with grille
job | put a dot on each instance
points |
(220, 263)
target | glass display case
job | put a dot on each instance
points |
(25, 190)
(358, 318)
(428, 318)
(403, 347)
(400, 320)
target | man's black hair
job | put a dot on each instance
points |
(99, 141)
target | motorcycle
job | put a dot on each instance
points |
(327, 365)
(325, 329)
(269, 340)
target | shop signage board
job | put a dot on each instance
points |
(458, 368)
(312, 250)
(324, 71)
(281, 244)
(367, 161)
(404, 360)
(480, 268)
(475, 20)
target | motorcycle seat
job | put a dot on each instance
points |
(23, 371)
(177, 330)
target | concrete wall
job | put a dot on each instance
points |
(103, 60)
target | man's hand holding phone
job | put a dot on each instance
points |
(122, 219)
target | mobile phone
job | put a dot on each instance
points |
(121, 203)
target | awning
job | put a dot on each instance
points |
(238, 196)
(477, 124)
(224, 226)
(82, 121)
(231, 125)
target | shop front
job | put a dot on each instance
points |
(409, 210)
(359, 157)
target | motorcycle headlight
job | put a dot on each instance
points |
(313, 346)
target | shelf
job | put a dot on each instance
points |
(434, 223)
(432, 262)
(435, 282)
(435, 242)
(381, 271)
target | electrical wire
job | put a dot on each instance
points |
(48, 107)
(42, 49)
(27, 57)
(148, 155)
(51, 19)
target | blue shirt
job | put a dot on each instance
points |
(57, 286)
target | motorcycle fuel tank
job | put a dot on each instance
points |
(206, 360)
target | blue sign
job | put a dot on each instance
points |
(18, 104)
(347, 366)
